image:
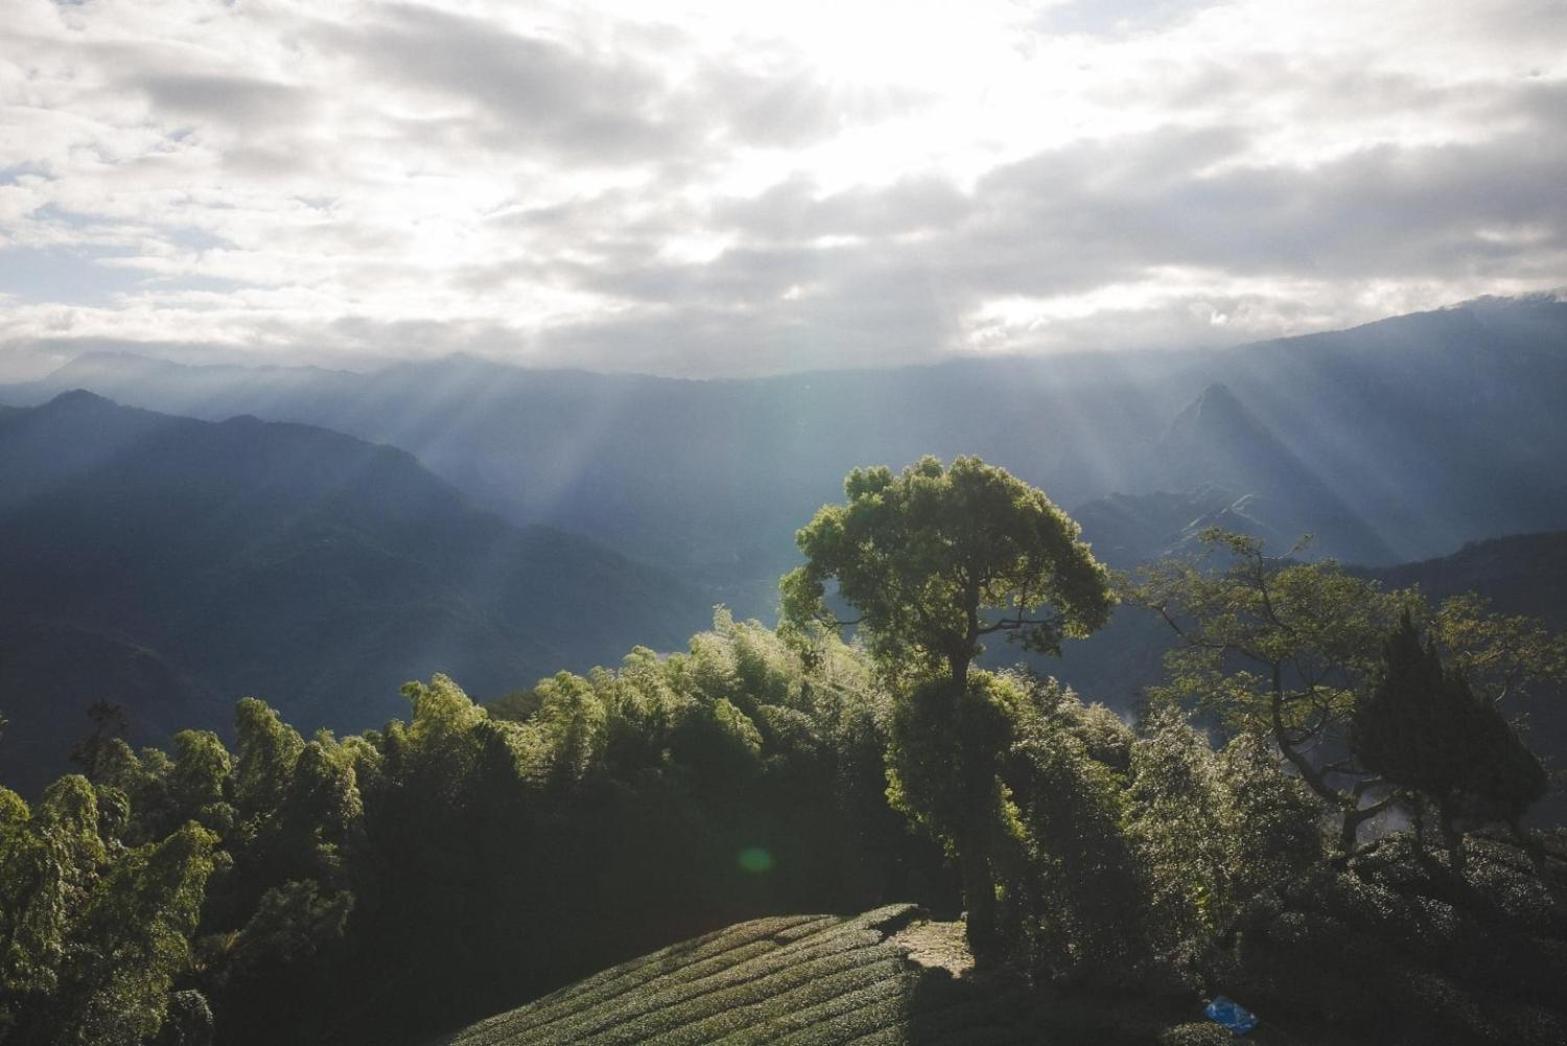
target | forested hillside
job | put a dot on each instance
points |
(171, 566)
(404, 881)
(396, 885)
(1320, 810)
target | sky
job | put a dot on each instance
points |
(720, 187)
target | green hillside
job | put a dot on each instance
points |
(397, 885)
(787, 979)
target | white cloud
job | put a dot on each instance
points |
(702, 187)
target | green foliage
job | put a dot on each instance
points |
(389, 884)
(136, 934)
(571, 718)
(1386, 950)
(1267, 644)
(397, 883)
(1422, 728)
(1213, 829)
(1203, 1033)
(266, 750)
(94, 934)
(1271, 822)
(517, 706)
(1076, 897)
(1290, 650)
(1174, 818)
(923, 554)
(926, 557)
(803, 979)
(1502, 656)
(932, 778)
(201, 771)
(188, 1021)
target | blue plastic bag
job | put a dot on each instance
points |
(1231, 1014)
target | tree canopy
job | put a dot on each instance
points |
(925, 554)
(935, 559)
(1293, 648)
(1422, 727)
(281, 887)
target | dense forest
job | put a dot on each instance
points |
(1318, 809)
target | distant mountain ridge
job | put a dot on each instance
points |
(1403, 438)
(197, 562)
(1221, 466)
(1521, 573)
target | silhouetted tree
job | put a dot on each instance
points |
(936, 559)
(1423, 728)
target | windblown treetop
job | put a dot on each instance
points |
(923, 554)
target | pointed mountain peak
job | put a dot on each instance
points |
(1217, 413)
(1217, 439)
(1218, 395)
(1217, 399)
(79, 399)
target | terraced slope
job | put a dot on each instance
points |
(792, 979)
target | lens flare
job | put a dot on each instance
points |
(756, 860)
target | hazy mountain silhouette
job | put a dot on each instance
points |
(1227, 469)
(175, 565)
(1522, 574)
(1394, 441)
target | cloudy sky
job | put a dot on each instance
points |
(724, 187)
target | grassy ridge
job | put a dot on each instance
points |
(796, 980)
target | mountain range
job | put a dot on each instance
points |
(1390, 442)
(173, 565)
(529, 521)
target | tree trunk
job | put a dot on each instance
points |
(1349, 832)
(959, 667)
(976, 778)
(979, 895)
(1452, 837)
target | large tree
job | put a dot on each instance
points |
(1422, 727)
(933, 560)
(1291, 649)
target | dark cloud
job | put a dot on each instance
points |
(1102, 212)
(527, 92)
(871, 316)
(1068, 221)
(602, 105)
(238, 101)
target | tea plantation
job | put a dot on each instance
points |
(792, 979)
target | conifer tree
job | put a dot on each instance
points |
(1423, 729)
